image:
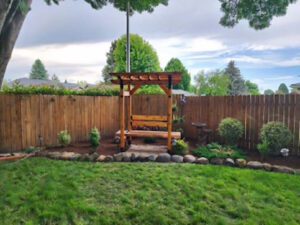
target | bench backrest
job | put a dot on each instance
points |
(149, 121)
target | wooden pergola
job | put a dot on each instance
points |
(134, 81)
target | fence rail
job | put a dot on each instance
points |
(33, 120)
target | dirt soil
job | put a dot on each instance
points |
(108, 147)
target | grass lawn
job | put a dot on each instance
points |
(41, 191)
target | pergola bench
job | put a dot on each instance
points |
(149, 133)
(134, 81)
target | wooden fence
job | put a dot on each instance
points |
(33, 120)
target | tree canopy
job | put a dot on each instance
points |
(175, 65)
(237, 83)
(282, 89)
(110, 63)
(38, 71)
(144, 57)
(258, 13)
(215, 83)
(269, 92)
(252, 88)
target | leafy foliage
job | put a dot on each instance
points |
(263, 149)
(38, 71)
(101, 90)
(64, 138)
(175, 65)
(259, 13)
(110, 63)
(283, 89)
(180, 147)
(252, 88)
(277, 135)
(237, 83)
(214, 83)
(231, 130)
(143, 57)
(215, 150)
(95, 138)
(269, 92)
(150, 90)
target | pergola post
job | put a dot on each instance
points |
(129, 125)
(122, 117)
(170, 113)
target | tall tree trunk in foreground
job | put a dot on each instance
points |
(12, 16)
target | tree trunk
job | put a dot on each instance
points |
(11, 21)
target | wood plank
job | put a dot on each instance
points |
(148, 133)
(149, 118)
(149, 124)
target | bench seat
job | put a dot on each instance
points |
(149, 133)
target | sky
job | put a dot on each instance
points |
(72, 40)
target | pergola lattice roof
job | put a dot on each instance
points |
(147, 78)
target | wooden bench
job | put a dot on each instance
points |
(149, 133)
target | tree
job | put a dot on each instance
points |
(252, 88)
(13, 14)
(55, 78)
(144, 57)
(175, 65)
(110, 63)
(259, 13)
(237, 83)
(282, 89)
(269, 92)
(38, 71)
(215, 83)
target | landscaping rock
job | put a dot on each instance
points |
(229, 162)
(134, 157)
(217, 161)
(163, 157)
(202, 160)
(84, 157)
(142, 157)
(109, 158)
(283, 169)
(297, 171)
(93, 157)
(267, 166)
(189, 159)
(152, 158)
(127, 158)
(255, 165)
(101, 158)
(177, 158)
(241, 163)
(118, 157)
(69, 156)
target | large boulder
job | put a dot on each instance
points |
(229, 162)
(241, 163)
(217, 161)
(163, 157)
(177, 158)
(255, 165)
(189, 159)
(202, 160)
(283, 169)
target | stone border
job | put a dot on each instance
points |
(166, 158)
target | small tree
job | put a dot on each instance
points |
(282, 89)
(95, 138)
(175, 65)
(269, 92)
(38, 71)
(55, 78)
(237, 83)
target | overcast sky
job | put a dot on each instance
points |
(72, 40)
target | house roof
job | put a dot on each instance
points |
(182, 92)
(37, 82)
(296, 85)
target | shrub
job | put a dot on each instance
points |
(31, 149)
(263, 149)
(215, 150)
(180, 147)
(277, 135)
(231, 130)
(64, 138)
(149, 140)
(95, 138)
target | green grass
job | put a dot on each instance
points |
(41, 191)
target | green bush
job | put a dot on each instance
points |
(277, 135)
(64, 138)
(149, 140)
(231, 130)
(150, 90)
(95, 138)
(263, 149)
(101, 90)
(215, 150)
(180, 147)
